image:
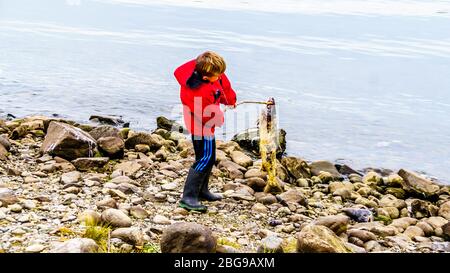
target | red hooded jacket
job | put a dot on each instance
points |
(201, 108)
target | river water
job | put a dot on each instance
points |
(365, 83)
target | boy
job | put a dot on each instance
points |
(203, 87)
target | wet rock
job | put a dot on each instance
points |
(169, 125)
(242, 192)
(163, 132)
(89, 217)
(362, 235)
(187, 238)
(265, 198)
(391, 201)
(221, 155)
(241, 159)
(446, 231)
(354, 248)
(337, 223)
(427, 228)
(121, 179)
(89, 163)
(176, 136)
(29, 204)
(109, 120)
(105, 131)
(384, 231)
(255, 172)
(138, 212)
(325, 177)
(128, 188)
(437, 221)
(116, 218)
(346, 170)
(107, 203)
(270, 244)
(67, 141)
(249, 140)
(281, 172)
(391, 212)
(35, 248)
(233, 170)
(373, 178)
(30, 179)
(5, 143)
(152, 140)
(128, 168)
(256, 183)
(116, 193)
(394, 180)
(133, 236)
(440, 246)
(343, 193)
(7, 197)
(413, 231)
(111, 146)
(71, 177)
(333, 186)
(325, 166)
(161, 220)
(403, 223)
(297, 167)
(444, 210)
(397, 192)
(292, 196)
(15, 208)
(142, 148)
(421, 209)
(162, 153)
(373, 246)
(355, 178)
(302, 183)
(3, 153)
(366, 202)
(28, 126)
(359, 214)
(77, 245)
(259, 208)
(319, 239)
(416, 184)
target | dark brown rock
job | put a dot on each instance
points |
(416, 184)
(325, 166)
(187, 238)
(68, 142)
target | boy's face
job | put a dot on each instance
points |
(211, 78)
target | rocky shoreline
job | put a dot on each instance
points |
(70, 187)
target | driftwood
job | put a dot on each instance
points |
(268, 146)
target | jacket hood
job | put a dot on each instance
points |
(184, 72)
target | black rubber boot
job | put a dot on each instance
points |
(191, 191)
(205, 194)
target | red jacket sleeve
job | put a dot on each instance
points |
(183, 72)
(229, 96)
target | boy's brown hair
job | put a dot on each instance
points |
(210, 64)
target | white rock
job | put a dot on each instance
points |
(71, 177)
(161, 220)
(15, 208)
(36, 248)
(29, 204)
(169, 186)
(77, 245)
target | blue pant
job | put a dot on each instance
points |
(205, 153)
